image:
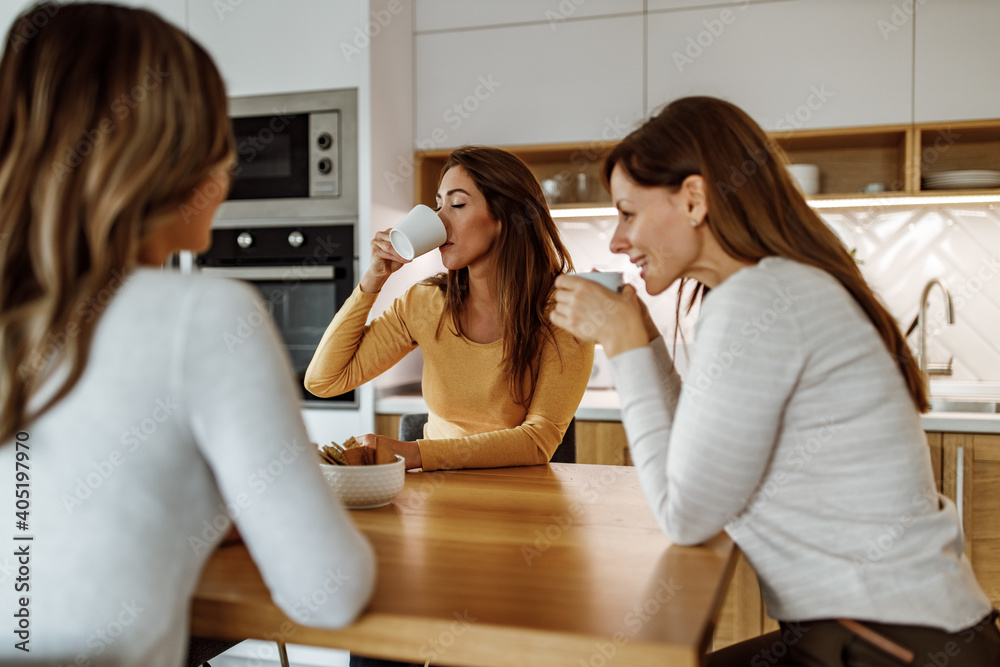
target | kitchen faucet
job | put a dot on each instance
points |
(926, 368)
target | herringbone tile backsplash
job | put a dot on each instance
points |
(899, 250)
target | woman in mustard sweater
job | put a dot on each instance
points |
(501, 384)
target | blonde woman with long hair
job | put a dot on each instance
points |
(134, 433)
(797, 426)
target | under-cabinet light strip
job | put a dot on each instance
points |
(867, 202)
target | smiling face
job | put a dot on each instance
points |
(655, 231)
(472, 231)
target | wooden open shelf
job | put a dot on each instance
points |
(848, 158)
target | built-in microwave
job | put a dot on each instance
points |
(297, 157)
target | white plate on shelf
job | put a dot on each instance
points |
(961, 180)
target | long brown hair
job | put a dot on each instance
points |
(111, 117)
(754, 208)
(529, 257)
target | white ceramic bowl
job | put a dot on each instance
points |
(366, 487)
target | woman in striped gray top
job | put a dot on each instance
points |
(797, 426)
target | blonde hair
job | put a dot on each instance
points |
(754, 208)
(111, 118)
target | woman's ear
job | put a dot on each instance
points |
(696, 199)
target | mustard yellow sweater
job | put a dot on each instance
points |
(473, 422)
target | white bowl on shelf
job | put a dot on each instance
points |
(366, 487)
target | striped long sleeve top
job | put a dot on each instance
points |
(794, 432)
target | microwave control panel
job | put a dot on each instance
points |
(324, 154)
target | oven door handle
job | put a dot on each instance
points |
(286, 273)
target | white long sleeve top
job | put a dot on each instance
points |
(795, 433)
(187, 413)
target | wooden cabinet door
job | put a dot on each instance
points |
(972, 481)
(602, 443)
(983, 513)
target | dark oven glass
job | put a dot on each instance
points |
(272, 155)
(304, 275)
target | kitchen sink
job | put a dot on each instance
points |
(951, 396)
(960, 405)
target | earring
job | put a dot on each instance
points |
(694, 223)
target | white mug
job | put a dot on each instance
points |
(806, 176)
(611, 280)
(419, 232)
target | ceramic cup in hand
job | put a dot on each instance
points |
(419, 232)
(612, 280)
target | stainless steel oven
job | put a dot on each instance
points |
(304, 274)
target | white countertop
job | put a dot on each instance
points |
(603, 405)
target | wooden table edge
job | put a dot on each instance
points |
(456, 642)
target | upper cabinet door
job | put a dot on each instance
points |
(790, 65)
(957, 61)
(451, 14)
(576, 80)
(265, 47)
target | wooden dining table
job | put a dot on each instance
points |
(560, 564)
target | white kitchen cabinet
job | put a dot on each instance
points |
(790, 65)
(529, 83)
(265, 47)
(660, 5)
(452, 14)
(956, 61)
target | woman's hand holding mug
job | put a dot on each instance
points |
(619, 322)
(385, 261)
